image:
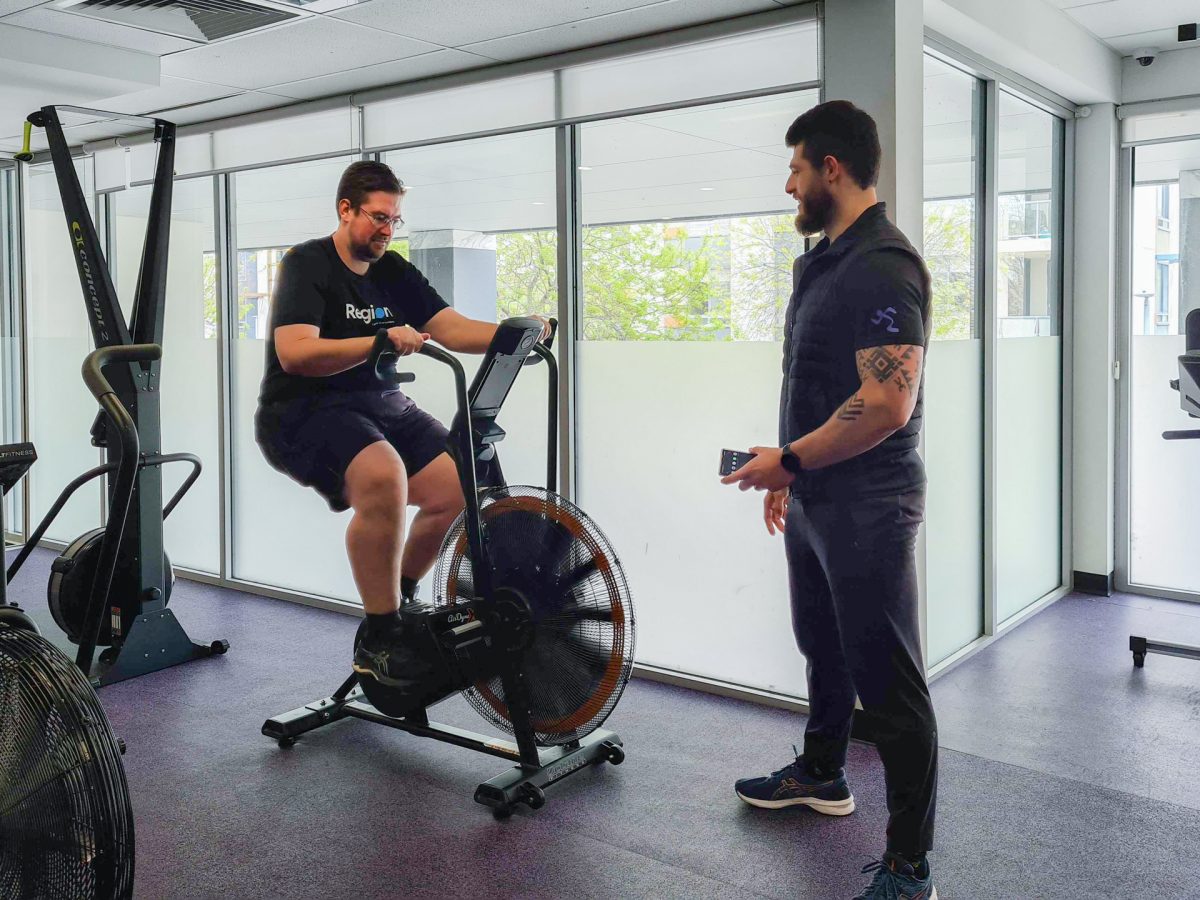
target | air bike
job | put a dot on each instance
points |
(531, 618)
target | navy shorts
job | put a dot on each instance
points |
(314, 439)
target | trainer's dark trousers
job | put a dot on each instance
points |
(852, 566)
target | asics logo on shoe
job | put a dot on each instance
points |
(792, 787)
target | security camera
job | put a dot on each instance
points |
(1145, 56)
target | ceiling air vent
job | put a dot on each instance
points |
(195, 20)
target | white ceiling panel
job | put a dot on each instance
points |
(411, 68)
(291, 52)
(616, 26)
(64, 24)
(1120, 17)
(170, 94)
(1126, 25)
(12, 6)
(1162, 40)
(478, 20)
(250, 101)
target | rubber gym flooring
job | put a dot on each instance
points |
(1065, 774)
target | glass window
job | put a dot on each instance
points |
(480, 224)
(61, 410)
(10, 338)
(1164, 267)
(688, 243)
(284, 534)
(1028, 250)
(190, 394)
(954, 373)
(1028, 449)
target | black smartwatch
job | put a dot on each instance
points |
(789, 460)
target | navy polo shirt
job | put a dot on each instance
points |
(869, 288)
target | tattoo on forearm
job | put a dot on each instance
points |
(851, 409)
(886, 364)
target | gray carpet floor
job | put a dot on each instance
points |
(1065, 774)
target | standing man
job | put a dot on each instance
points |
(326, 421)
(847, 489)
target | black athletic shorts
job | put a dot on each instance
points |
(314, 439)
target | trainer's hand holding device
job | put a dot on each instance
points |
(732, 460)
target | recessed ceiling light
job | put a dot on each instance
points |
(708, 188)
(585, 168)
(538, 203)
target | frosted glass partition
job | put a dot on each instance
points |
(953, 447)
(190, 394)
(1028, 529)
(10, 346)
(61, 410)
(773, 57)
(283, 534)
(1028, 364)
(508, 103)
(954, 503)
(709, 583)
(688, 245)
(1164, 476)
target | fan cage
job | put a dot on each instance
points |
(66, 822)
(581, 654)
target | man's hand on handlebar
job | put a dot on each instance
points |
(406, 339)
(547, 330)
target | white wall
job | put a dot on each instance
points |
(1094, 322)
(1175, 73)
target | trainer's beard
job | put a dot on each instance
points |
(817, 206)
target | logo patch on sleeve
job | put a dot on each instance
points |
(886, 315)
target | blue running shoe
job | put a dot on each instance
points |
(794, 785)
(896, 879)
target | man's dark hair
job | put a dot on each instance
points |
(841, 130)
(365, 176)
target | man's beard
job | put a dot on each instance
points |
(818, 211)
(366, 252)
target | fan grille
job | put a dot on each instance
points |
(66, 824)
(580, 652)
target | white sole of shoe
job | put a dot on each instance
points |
(825, 807)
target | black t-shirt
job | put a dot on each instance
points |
(314, 287)
(869, 288)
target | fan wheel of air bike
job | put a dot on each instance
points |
(563, 600)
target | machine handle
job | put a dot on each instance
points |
(26, 154)
(536, 357)
(383, 358)
(94, 363)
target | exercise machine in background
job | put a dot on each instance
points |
(131, 620)
(1188, 385)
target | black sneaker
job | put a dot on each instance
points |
(391, 660)
(895, 878)
(794, 785)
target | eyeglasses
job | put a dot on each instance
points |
(381, 220)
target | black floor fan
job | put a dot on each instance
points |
(66, 823)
